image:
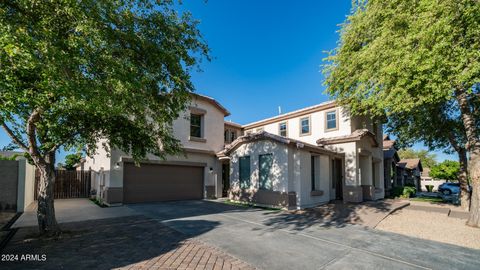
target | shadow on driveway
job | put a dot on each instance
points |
(335, 214)
(102, 244)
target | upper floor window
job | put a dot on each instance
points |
(196, 125)
(331, 120)
(282, 129)
(230, 135)
(305, 126)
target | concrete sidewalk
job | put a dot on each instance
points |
(450, 210)
(74, 210)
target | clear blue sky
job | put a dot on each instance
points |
(266, 54)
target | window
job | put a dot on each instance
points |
(196, 125)
(305, 126)
(282, 129)
(244, 172)
(331, 120)
(312, 162)
(230, 135)
(265, 163)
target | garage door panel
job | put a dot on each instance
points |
(155, 183)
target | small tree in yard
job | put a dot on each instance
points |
(71, 160)
(74, 72)
(410, 59)
(447, 170)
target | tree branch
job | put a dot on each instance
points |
(31, 134)
(14, 138)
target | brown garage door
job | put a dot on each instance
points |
(156, 183)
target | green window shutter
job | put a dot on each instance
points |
(244, 172)
(265, 163)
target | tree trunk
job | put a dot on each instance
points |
(47, 223)
(473, 148)
(463, 179)
(474, 173)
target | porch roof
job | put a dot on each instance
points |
(357, 135)
(258, 136)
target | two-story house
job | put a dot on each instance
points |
(307, 157)
(295, 160)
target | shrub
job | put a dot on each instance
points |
(404, 192)
(429, 188)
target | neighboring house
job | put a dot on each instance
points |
(298, 159)
(412, 171)
(392, 172)
(345, 152)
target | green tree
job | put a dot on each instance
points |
(396, 57)
(447, 170)
(71, 160)
(428, 159)
(439, 128)
(74, 72)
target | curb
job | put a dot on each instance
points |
(391, 212)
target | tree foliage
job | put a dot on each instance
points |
(447, 170)
(71, 160)
(418, 63)
(397, 56)
(82, 70)
(75, 72)
(428, 159)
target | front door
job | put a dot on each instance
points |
(225, 179)
(338, 178)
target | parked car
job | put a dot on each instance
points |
(449, 188)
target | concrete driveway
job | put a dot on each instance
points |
(73, 210)
(281, 240)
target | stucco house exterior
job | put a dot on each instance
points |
(195, 175)
(288, 172)
(294, 160)
(356, 156)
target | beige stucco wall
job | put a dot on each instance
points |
(213, 127)
(317, 126)
(279, 171)
(107, 167)
(291, 170)
(26, 185)
(322, 180)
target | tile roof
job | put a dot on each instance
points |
(411, 163)
(269, 136)
(355, 136)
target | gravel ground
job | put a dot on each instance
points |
(432, 226)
